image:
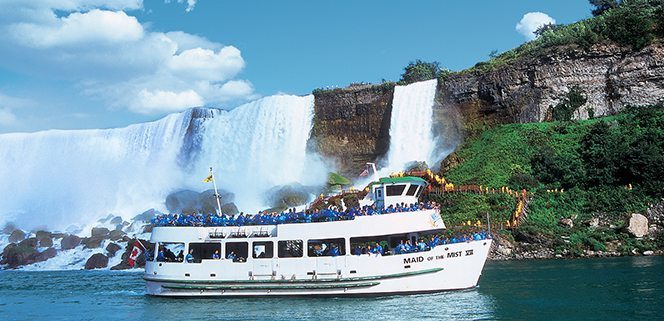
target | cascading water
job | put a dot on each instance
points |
(260, 145)
(59, 178)
(411, 133)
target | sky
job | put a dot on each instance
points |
(74, 64)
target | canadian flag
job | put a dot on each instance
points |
(135, 253)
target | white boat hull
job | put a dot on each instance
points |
(446, 267)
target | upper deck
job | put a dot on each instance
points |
(393, 223)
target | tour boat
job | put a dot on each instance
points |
(318, 258)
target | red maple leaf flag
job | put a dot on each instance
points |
(135, 253)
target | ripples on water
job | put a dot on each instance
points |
(597, 289)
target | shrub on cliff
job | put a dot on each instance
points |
(419, 70)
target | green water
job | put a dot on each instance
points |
(589, 289)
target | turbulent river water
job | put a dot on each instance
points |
(584, 289)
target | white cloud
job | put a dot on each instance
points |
(531, 21)
(149, 102)
(95, 26)
(105, 53)
(7, 117)
(205, 64)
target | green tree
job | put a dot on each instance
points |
(603, 5)
(631, 24)
(600, 152)
(565, 109)
(420, 70)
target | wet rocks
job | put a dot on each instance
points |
(99, 232)
(16, 236)
(116, 235)
(96, 261)
(112, 248)
(69, 242)
(638, 225)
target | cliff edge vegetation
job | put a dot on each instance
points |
(586, 180)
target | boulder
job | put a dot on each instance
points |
(45, 241)
(49, 253)
(30, 242)
(566, 222)
(96, 261)
(116, 235)
(116, 220)
(18, 255)
(638, 225)
(99, 232)
(69, 242)
(58, 235)
(16, 236)
(112, 248)
(92, 242)
(648, 253)
(43, 234)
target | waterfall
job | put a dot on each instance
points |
(260, 145)
(411, 134)
(59, 178)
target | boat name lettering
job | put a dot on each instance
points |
(454, 254)
(469, 252)
(409, 260)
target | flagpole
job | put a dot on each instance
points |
(216, 194)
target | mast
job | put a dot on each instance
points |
(216, 193)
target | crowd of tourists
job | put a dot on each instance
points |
(330, 214)
(424, 244)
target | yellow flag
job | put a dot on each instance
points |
(208, 179)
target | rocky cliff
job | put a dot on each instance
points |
(611, 77)
(352, 125)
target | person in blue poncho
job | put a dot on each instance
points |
(190, 256)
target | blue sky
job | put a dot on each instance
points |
(98, 64)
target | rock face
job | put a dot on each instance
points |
(638, 225)
(96, 261)
(69, 242)
(352, 125)
(611, 77)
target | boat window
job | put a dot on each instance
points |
(379, 193)
(290, 248)
(263, 250)
(237, 251)
(394, 190)
(412, 189)
(150, 253)
(419, 190)
(170, 252)
(367, 245)
(326, 247)
(205, 251)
